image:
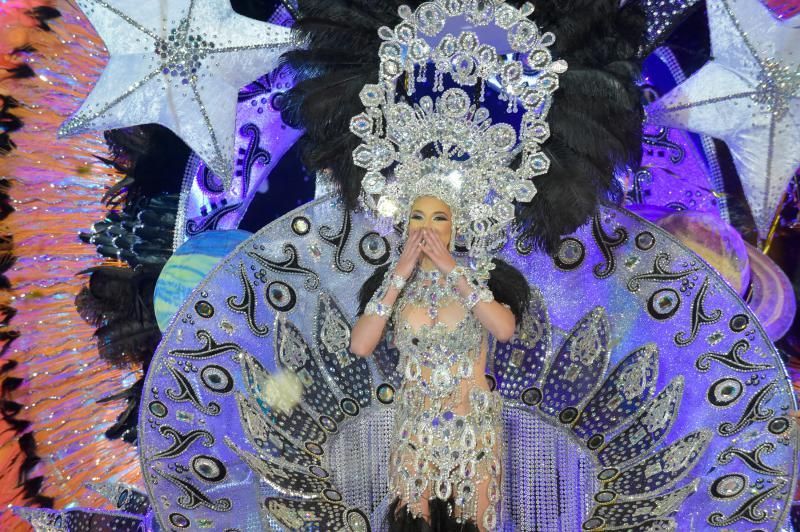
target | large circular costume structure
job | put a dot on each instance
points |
(640, 392)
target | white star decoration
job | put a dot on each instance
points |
(179, 63)
(749, 96)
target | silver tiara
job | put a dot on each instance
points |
(446, 145)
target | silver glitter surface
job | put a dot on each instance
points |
(662, 15)
(749, 96)
(181, 64)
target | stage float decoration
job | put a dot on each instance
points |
(749, 96)
(606, 254)
(181, 66)
(685, 385)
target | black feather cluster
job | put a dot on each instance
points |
(42, 14)
(142, 233)
(119, 302)
(138, 232)
(9, 123)
(152, 158)
(126, 426)
(341, 57)
(399, 518)
(595, 120)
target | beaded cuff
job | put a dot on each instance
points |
(375, 307)
(397, 281)
(476, 296)
(455, 273)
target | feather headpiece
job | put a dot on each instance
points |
(594, 119)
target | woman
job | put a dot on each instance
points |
(446, 443)
(453, 139)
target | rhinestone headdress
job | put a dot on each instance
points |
(445, 145)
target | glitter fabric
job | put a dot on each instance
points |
(180, 66)
(663, 15)
(446, 440)
(675, 170)
(261, 140)
(749, 96)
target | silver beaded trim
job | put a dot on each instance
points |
(471, 170)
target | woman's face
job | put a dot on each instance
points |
(433, 213)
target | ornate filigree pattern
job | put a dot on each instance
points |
(732, 359)
(577, 367)
(754, 459)
(289, 265)
(660, 273)
(210, 348)
(640, 423)
(607, 243)
(520, 363)
(338, 239)
(247, 304)
(699, 317)
(472, 166)
(624, 392)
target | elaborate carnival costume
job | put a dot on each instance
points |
(638, 391)
(446, 436)
(583, 444)
(441, 441)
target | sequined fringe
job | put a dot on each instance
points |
(441, 520)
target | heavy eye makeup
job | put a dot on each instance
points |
(436, 218)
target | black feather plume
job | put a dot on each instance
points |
(595, 120)
(119, 302)
(127, 422)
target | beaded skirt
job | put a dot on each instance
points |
(450, 457)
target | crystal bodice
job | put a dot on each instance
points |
(448, 425)
(438, 357)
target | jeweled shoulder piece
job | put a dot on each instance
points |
(446, 144)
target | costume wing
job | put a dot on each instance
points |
(641, 394)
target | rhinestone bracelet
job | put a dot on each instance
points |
(485, 295)
(398, 282)
(471, 300)
(481, 294)
(455, 273)
(375, 308)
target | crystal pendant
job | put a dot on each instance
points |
(468, 438)
(443, 489)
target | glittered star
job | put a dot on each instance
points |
(749, 96)
(179, 63)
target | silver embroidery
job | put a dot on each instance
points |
(433, 446)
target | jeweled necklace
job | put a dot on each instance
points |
(432, 295)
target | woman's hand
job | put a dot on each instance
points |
(435, 249)
(410, 255)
